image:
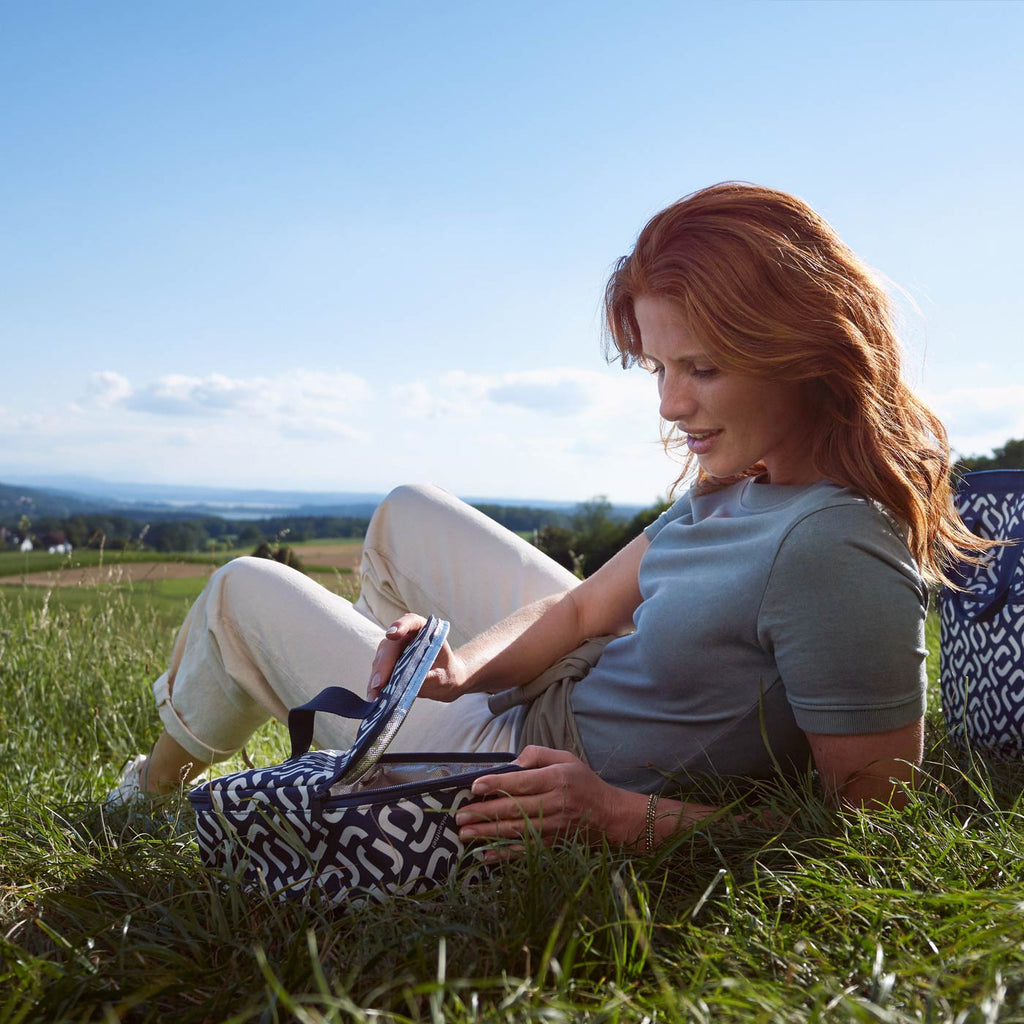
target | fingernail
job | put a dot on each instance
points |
(479, 789)
(391, 631)
(466, 833)
(375, 681)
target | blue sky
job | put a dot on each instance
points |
(337, 246)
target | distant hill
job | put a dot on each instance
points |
(82, 494)
(17, 500)
(40, 496)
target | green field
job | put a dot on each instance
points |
(14, 563)
(883, 917)
(168, 599)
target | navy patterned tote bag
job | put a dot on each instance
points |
(982, 648)
(348, 825)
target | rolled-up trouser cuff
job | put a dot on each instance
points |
(176, 728)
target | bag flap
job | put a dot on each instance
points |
(313, 772)
(411, 774)
(388, 712)
(317, 770)
(991, 504)
(290, 784)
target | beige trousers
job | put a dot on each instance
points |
(262, 638)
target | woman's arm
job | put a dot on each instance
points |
(557, 795)
(520, 647)
(855, 771)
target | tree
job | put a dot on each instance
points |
(282, 554)
(557, 543)
(598, 533)
(250, 534)
(595, 534)
(186, 535)
(1010, 456)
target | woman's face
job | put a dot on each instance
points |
(731, 420)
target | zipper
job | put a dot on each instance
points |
(202, 798)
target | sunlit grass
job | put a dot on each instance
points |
(912, 916)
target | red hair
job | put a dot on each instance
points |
(772, 291)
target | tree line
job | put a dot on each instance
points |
(167, 532)
(593, 534)
(582, 540)
(1010, 456)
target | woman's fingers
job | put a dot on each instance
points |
(396, 638)
(539, 757)
(503, 818)
(443, 681)
(440, 683)
(553, 799)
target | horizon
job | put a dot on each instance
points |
(342, 248)
(232, 500)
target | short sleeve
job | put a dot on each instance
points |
(678, 509)
(843, 615)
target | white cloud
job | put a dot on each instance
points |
(178, 395)
(183, 437)
(539, 433)
(557, 397)
(287, 396)
(453, 396)
(979, 419)
(327, 388)
(319, 428)
(15, 423)
(557, 392)
(107, 387)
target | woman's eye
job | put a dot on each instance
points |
(704, 372)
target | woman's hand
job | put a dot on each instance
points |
(443, 682)
(556, 795)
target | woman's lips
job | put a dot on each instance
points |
(700, 442)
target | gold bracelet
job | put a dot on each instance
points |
(652, 804)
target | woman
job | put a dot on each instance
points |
(774, 614)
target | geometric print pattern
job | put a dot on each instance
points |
(981, 659)
(349, 825)
(282, 834)
(382, 718)
(397, 697)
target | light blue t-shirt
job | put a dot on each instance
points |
(767, 611)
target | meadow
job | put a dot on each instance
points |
(886, 916)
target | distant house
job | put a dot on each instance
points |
(26, 545)
(64, 548)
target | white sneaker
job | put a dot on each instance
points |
(129, 790)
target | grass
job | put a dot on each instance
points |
(887, 917)
(169, 598)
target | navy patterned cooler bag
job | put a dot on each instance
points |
(348, 825)
(982, 646)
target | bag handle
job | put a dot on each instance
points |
(335, 700)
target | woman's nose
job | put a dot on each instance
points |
(677, 398)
